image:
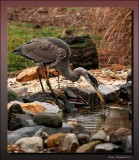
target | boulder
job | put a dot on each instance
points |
(48, 119)
(83, 138)
(100, 135)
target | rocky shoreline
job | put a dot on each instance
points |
(35, 122)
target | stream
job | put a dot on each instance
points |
(94, 119)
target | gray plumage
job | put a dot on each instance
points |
(55, 53)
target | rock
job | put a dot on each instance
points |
(12, 96)
(18, 121)
(48, 119)
(84, 53)
(52, 150)
(129, 76)
(118, 135)
(30, 144)
(31, 74)
(89, 96)
(126, 91)
(106, 147)
(110, 92)
(30, 123)
(33, 107)
(40, 133)
(54, 140)
(100, 135)
(126, 145)
(30, 131)
(83, 138)
(69, 144)
(48, 107)
(88, 147)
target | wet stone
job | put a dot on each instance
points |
(48, 119)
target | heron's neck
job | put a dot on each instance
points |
(69, 74)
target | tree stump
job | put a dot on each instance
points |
(84, 53)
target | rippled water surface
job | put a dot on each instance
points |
(98, 119)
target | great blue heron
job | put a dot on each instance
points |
(54, 53)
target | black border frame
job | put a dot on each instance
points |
(3, 78)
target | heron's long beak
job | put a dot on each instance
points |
(99, 94)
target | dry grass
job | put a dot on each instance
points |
(115, 24)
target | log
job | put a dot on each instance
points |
(84, 52)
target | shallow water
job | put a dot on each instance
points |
(93, 120)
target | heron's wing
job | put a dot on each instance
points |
(43, 50)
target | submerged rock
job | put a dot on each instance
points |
(48, 119)
(30, 144)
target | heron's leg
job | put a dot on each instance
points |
(58, 80)
(38, 69)
(49, 85)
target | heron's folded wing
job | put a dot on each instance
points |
(44, 51)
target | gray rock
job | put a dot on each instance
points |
(18, 121)
(100, 135)
(126, 91)
(13, 96)
(83, 138)
(40, 133)
(110, 92)
(30, 131)
(89, 96)
(106, 147)
(21, 133)
(88, 147)
(30, 144)
(118, 135)
(30, 123)
(69, 144)
(48, 119)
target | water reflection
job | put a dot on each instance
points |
(95, 119)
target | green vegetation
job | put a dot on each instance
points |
(24, 32)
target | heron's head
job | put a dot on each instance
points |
(92, 80)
